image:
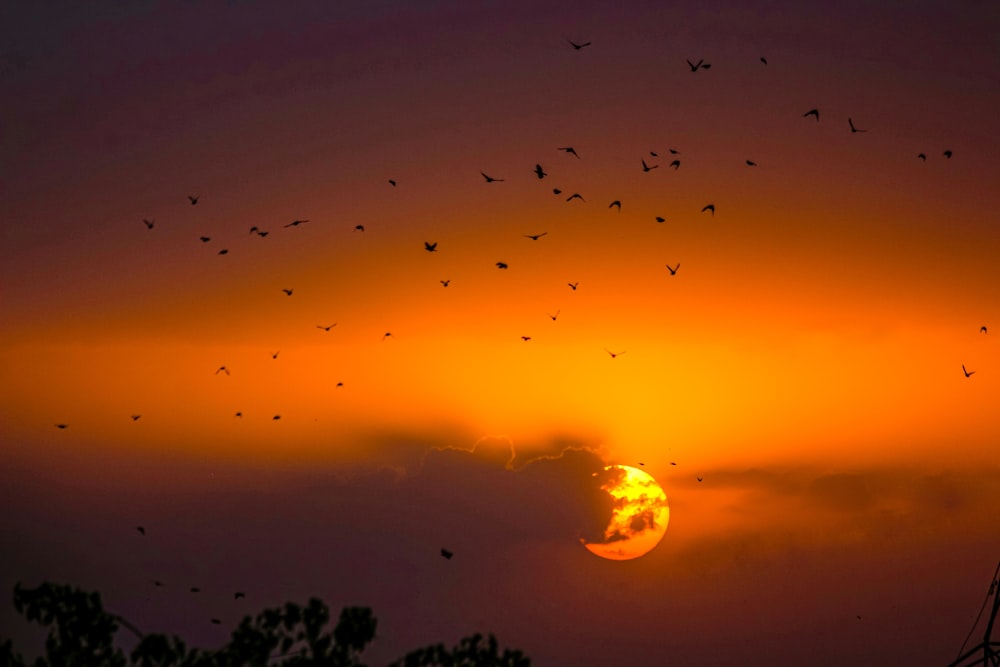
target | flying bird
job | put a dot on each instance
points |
(205, 239)
(553, 317)
(387, 334)
(446, 554)
(526, 338)
(850, 122)
(135, 418)
(922, 157)
(700, 478)
(287, 291)
(535, 237)
(238, 414)
(556, 191)
(673, 270)
(222, 369)
(576, 195)
(326, 328)
(812, 112)
(709, 207)
(751, 163)
(674, 151)
(392, 182)
(359, 228)
(501, 265)
(149, 223)
(239, 594)
(616, 203)
(274, 355)
(570, 150)
(676, 164)
(142, 531)
(216, 621)
(445, 283)
(763, 60)
(701, 64)
(967, 373)
(262, 234)
(573, 286)
(296, 223)
(193, 199)
(539, 172)
(224, 251)
(982, 329)
(195, 589)
(660, 219)
(577, 47)
(430, 247)
(275, 417)
(614, 354)
(490, 179)
(62, 426)
(646, 167)
(157, 583)
(947, 154)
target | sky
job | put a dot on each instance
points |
(805, 360)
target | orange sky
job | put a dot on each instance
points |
(806, 358)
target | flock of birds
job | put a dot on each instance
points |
(645, 163)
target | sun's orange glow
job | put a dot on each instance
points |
(639, 514)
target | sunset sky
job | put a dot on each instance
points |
(805, 360)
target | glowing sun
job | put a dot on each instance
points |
(639, 514)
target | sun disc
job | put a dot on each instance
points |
(639, 516)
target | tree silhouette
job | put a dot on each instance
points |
(82, 633)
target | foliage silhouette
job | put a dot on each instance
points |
(82, 633)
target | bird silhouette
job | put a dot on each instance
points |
(535, 237)
(660, 219)
(205, 239)
(573, 286)
(501, 265)
(967, 373)
(947, 154)
(149, 223)
(614, 354)
(700, 478)
(812, 112)
(392, 182)
(216, 621)
(62, 426)
(676, 164)
(447, 555)
(556, 191)
(922, 157)
(763, 60)
(238, 595)
(674, 151)
(262, 234)
(570, 150)
(430, 247)
(194, 199)
(673, 463)
(326, 328)
(274, 355)
(526, 338)
(222, 369)
(387, 334)
(340, 384)
(576, 195)
(296, 223)
(577, 47)
(195, 589)
(982, 329)
(751, 163)
(288, 292)
(553, 317)
(673, 270)
(701, 64)
(616, 203)
(539, 172)
(445, 283)
(646, 167)
(136, 418)
(709, 207)
(141, 530)
(275, 417)
(253, 229)
(359, 228)
(239, 414)
(490, 179)
(158, 583)
(224, 251)
(850, 122)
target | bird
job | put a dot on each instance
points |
(553, 317)
(194, 199)
(763, 60)
(149, 223)
(62, 426)
(539, 172)
(535, 237)
(701, 64)
(700, 478)
(135, 418)
(525, 338)
(387, 334)
(157, 583)
(359, 228)
(195, 589)
(262, 234)
(326, 328)
(674, 151)
(340, 384)
(216, 621)
(676, 164)
(141, 530)
(573, 286)
(576, 195)
(751, 163)
(982, 329)
(673, 270)
(577, 47)
(922, 157)
(660, 219)
(646, 167)
(812, 112)
(616, 203)
(392, 182)
(275, 417)
(288, 291)
(222, 369)
(614, 354)
(556, 191)
(253, 229)
(947, 154)
(238, 414)
(224, 251)
(967, 373)
(570, 150)
(850, 122)
(490, 179)
(239, 594)
(296, 223)
(501, 265)
(430, 247)
(445, 283)
(709, 207)
(205, 239)
(447, 555)
(673, 463)
(274, 355)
